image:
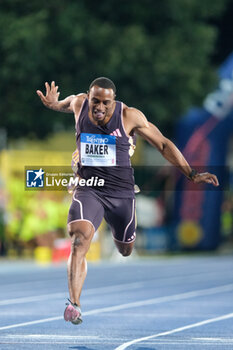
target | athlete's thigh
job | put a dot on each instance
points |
(120, 215)
(85, 207)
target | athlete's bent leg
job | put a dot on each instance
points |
(81, 233)
(124, 249)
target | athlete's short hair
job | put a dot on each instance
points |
(104, 83)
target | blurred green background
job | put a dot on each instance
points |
(163, 56)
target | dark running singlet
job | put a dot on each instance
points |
(104, 153)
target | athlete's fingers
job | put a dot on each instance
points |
(53, 85)
(209, 181)
(207, 178)
(215, 180)
(54, 88)
(41, 95)
(47, 88)
(212, 179)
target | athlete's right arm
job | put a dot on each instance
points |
(50, 100)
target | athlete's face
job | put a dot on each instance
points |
(101, 103)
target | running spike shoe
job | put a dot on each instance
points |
(73, 313)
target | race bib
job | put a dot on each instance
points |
(98, 150)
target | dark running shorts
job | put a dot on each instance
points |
(119, 213)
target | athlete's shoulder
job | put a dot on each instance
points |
(77, 103)
(135, 116)
(78, 100)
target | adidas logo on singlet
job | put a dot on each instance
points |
(116, 133)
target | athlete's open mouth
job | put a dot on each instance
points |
(98, 114)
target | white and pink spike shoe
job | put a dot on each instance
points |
(73, 313)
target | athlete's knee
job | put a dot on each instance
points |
(77, 241)
(125, 249)
(82, 229)
(126, 252)
(79, 244)
(81, 234)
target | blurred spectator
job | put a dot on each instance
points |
(227, 218)
(3, 200)
(150, 211)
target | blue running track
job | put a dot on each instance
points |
(162, 303)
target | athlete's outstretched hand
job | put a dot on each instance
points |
(206, 177)
(50, 100)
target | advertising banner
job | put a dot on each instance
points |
(203, 136)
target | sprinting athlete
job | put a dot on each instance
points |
(104, 131)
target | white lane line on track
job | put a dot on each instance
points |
(49, 336)
(186, 341)
(31, 299)
(32, 322)
(91, 291)
(158, 300)
(176, 330)
(77, 339)
(216, 340)
(172, 271)
(115, 288)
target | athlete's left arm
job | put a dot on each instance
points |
(168, 149)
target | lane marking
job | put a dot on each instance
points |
(160, 300)
(221, 340)
(77, 339)
(114, 288)
(165, 264)
(153, 301)
(214, 339)
(176, 330)
(32, 322)
(30, 283)
(91, 291)
(187, 341)
(49, 336)
(31, 299)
